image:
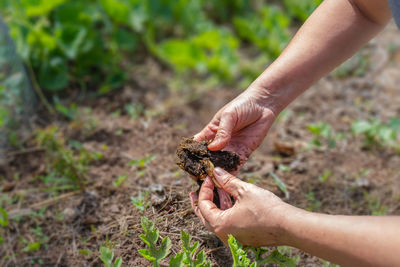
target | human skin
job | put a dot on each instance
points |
(259, 218)
(334, 32)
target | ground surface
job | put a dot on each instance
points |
(362, 181)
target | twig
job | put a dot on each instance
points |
(39, 90)
(213, 250)
(24, 151)
(51, 201)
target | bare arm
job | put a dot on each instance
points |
(333, 33)
(346, 240)
(259, 218)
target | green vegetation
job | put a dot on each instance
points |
(323, 135)
(82, 43)
(107, 257)
(378, 133)
(190, 256)
(141, 201)
(66, 166)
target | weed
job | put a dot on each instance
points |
(120, 179)
(141, 201)
(189, 256)
(325, 175)
(150, 237)
(313, 203)
(323, 135)
(134, 110)
(377, 133)
(63, 162)
(3, 217)
(241, 259)
(107, 257)
(281, 185)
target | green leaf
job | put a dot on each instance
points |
(177, 261)
(3, 217)
(41, 7)
(238, 254)
(106, 255)
(281, 185)
(361, 127)
(147, 254)
(53, 76)
(32, 247)
(118, 262)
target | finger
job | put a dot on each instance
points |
(228, 182)
(224, 131)
(208, 133)
(195, 207)
(208, 209)
(225, 201)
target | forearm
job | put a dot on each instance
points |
(334, 32)
(345, 240)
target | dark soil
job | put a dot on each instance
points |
(72, 225)
(196, 159)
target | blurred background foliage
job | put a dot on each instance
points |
(81, 43)
(91, 45)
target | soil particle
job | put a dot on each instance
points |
(196, 159)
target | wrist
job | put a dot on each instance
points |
(291, 220)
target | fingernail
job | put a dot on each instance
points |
(218, 171)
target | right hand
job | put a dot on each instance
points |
(256, 218)
(241, 125)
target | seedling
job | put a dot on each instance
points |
(377, 133)
(323, 135)
(313, 204)
(141, 201)
(150, 237)
(62, 161)
(325, 175)
(187, 257)
(120, 179)
(134, 110)
(241, 259)
(281, 185)
(107, 257)
(3, 217)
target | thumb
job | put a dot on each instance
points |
(228, 182)
(224, 132)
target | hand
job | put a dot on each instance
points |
(255, 219)
(241, 125)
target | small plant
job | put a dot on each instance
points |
(150, 237)
(107, 257)
(323, 134)
(134, 111)
(241, 259)
(141, 201)
(377, 133)
(120, 179)
(187, 257)
(3, 217)
(62, 161)
(325, 175)
(313, 204)
(281, 185)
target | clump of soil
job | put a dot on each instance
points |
(196, 159)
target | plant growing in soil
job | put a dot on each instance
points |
(107, 257)
(378, 133)
(187, 257)
(63, 162)
(140, 202)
